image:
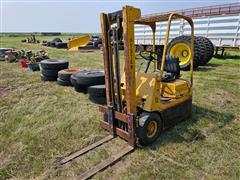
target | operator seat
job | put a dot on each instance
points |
(171, 68)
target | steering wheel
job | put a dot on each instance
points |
(148, 56)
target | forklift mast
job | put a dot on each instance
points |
(121, 114)
(110, 39)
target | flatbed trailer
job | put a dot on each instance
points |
(220, 24)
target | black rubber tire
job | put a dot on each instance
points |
(44, 44)
(61, 45)
(54, 64)
(52, 44)
(144, 120)
(63, 83)
(50, 72)
(208, 50)
(48, 78)
(198, 50)
(65, 74)
(73, 80)
(97, 90)
(98, 100)
(56, 40)
(202, 49)
(77, 87)
(89, 78)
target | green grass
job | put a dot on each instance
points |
(42, 121)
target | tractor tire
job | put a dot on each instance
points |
(208, 50)
(50, 72)
(54, 64)
(48, 78)
(89, 78)
(63, 83)
(150, 128)
(65, 74)
(201, 48)
(180, 45)
(98, 100)
(97, 90)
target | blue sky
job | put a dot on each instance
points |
(77, 15)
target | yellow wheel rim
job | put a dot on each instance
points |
(151, 129)
(182, 51)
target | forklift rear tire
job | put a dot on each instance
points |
(150, 128)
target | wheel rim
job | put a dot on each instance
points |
(182, 51)
(151, 129)
(71, 70)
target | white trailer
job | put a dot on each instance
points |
(221, 24)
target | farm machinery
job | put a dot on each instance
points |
(140, 105)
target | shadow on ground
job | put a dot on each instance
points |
(208, 67)
(227, 56)
(188, 130)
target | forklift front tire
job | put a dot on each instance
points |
(150, 128)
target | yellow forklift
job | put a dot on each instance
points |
(140, 105)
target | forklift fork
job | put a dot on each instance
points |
(102, 165)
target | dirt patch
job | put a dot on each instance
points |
(223, 99)
(4, 160)
(5, 90)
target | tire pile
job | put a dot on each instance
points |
(91, 82)
(203, 50)
(56, 42)
(49, 68)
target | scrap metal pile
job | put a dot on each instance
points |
(13, 55)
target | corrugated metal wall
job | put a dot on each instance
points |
(223, 30)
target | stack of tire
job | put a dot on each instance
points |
(91, 82)
(65, 75)
(180, 46)
(49, 68)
